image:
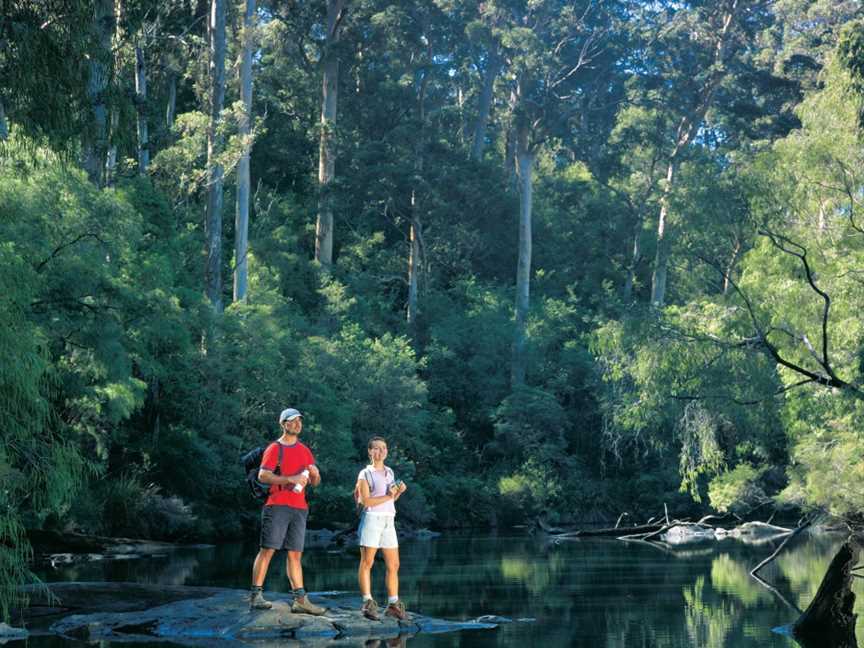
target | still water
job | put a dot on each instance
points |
(586, 593)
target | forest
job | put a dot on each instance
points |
(571, 259)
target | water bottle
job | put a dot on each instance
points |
(298, 488)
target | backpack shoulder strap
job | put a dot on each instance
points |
(278, 469)
(279, 460)
(370, 478)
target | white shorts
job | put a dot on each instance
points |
(378, 530)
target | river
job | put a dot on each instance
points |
(585, 593)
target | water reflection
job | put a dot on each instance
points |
(587, 593)
(732, 577)
(708, 624)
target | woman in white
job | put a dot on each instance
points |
(378, 491)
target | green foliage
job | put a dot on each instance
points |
(700, 452)
(40, 469)
(737, 490)
(132, 509)
(850, 51)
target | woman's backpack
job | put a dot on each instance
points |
(369, 475)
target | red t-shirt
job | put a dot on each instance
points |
(295, 459)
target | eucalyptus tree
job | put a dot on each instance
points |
(327, 155)
(700, 43)
(715, 78)
(549, 48)
(482, 29)
(141, 109)
(100, 63)
(215, 146)
(241, 219)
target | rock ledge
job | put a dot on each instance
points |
(197, 616)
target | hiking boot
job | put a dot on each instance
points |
(303, 605)
(370, 609)
(258, 602)
(397, 611)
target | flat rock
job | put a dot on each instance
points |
(8, 633)
(201, 616)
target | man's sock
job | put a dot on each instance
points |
(367, 597)
(257, 588)
(299, 593)
(392, 599)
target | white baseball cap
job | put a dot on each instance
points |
(289, 415)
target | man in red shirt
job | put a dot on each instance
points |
(288, 467)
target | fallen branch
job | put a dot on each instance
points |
(755, 571)
(610, 533)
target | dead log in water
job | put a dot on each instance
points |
(616, 532)
(829, 620)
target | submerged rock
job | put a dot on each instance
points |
(223, 615)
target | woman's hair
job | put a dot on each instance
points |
(373, 440)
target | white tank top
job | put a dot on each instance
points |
(379, 481)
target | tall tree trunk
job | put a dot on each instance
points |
(241, 219)
(114, 136)
(155, 412)
(510, 146)
(327, 154)
(215, 146)
(413, 263)
(95, 144)
(661, 256)
(110, 170)
(140, 109)
(171, 106)
(415, 234)
(484, 107)
(525, 163)
(635, 258)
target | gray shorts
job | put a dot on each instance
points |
(283, 527)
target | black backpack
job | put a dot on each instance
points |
(252, 464)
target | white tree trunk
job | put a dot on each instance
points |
(525, 164)
(327, 154)
(95, 144)
(111, 155)
(484, 107)
(241, 219)
(140, 108)
(413, 265)
(661, 256)
(635, 258)
(171, 107)
(215, 145)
